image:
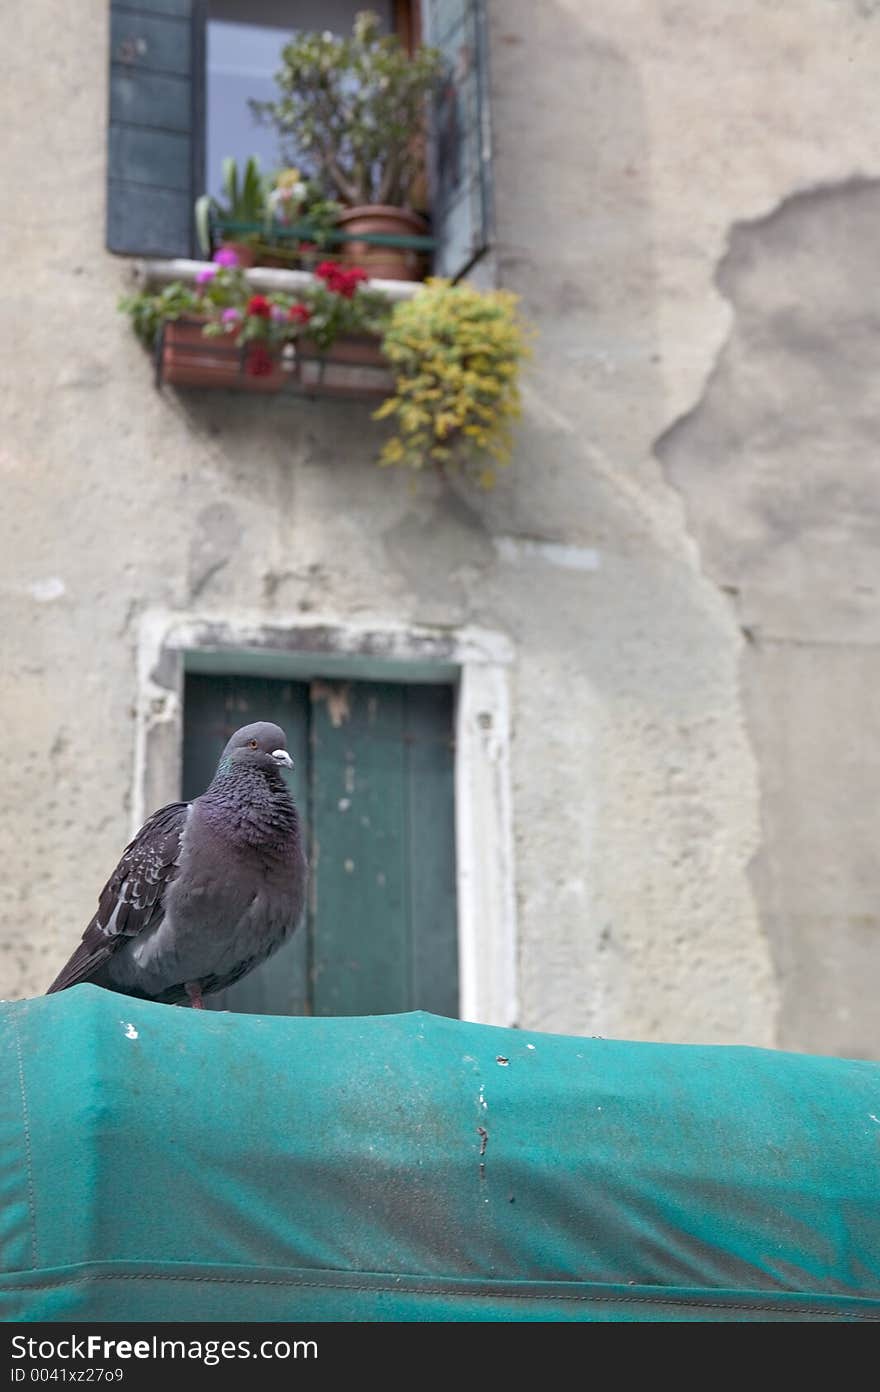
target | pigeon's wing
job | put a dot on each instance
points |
(134, 896)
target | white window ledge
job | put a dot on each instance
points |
(163, 272)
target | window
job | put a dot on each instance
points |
(243, 40)
(180, 74)
(373, 779)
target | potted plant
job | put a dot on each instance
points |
(447, 360)
(352, 109)
(455, 354)
(246, 203)
(281, 219)
(216, 332)
(299, 221)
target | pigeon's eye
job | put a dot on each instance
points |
(252, 743)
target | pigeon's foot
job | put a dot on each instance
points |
(194, 991)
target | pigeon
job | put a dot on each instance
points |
(207, 890)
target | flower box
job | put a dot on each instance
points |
(186, 358)
(352, 366)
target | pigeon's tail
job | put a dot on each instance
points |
(89, 957)
(131, 899)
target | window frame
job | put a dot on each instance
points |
(157, 134)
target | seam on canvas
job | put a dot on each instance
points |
(440, 1290)
(26, 1123)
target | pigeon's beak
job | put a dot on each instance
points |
(282, 757)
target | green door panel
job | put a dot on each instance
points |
(430, 789)
(214, 708)
(361, 962)
(374, 782)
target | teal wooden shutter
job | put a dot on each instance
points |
(150, 156)
(374, 782)
(460, 155)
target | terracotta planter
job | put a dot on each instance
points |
(383, 262)
(353, 366)
(187, 359)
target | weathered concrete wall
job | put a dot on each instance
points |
(779, 464)
(660, 816)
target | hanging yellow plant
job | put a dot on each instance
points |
(455, 354)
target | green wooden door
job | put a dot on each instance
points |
(214, 708)
(373, 779)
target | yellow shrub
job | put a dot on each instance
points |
(455, 354)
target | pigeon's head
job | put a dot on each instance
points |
(262, 746)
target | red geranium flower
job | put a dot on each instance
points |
(259, 361)
(300, 313)
(259, 306)
(349, 281)
(341, 280)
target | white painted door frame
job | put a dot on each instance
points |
(476, 661)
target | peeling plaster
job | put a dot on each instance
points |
(338, 707)
(517, 549)
(44, 591)
(776, 464)
(214, 544)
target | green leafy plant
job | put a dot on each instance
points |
(335, 303)
(149, 310)
(455, 353)
(295, 201)
(246, 201)
(283, 214)
(300, 219)
(349, 108)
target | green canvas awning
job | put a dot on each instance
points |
(158, 1163)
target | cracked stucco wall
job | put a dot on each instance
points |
(630, 140)
(778, 464)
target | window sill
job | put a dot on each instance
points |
(263, 278)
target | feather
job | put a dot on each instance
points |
(207, 889)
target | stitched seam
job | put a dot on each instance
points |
(440, 1290)
(26, 1122)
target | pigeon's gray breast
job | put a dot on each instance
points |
(229, 907)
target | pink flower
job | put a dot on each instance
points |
(230, 316)
(277, 313)
(206, 275)
(226, 257)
